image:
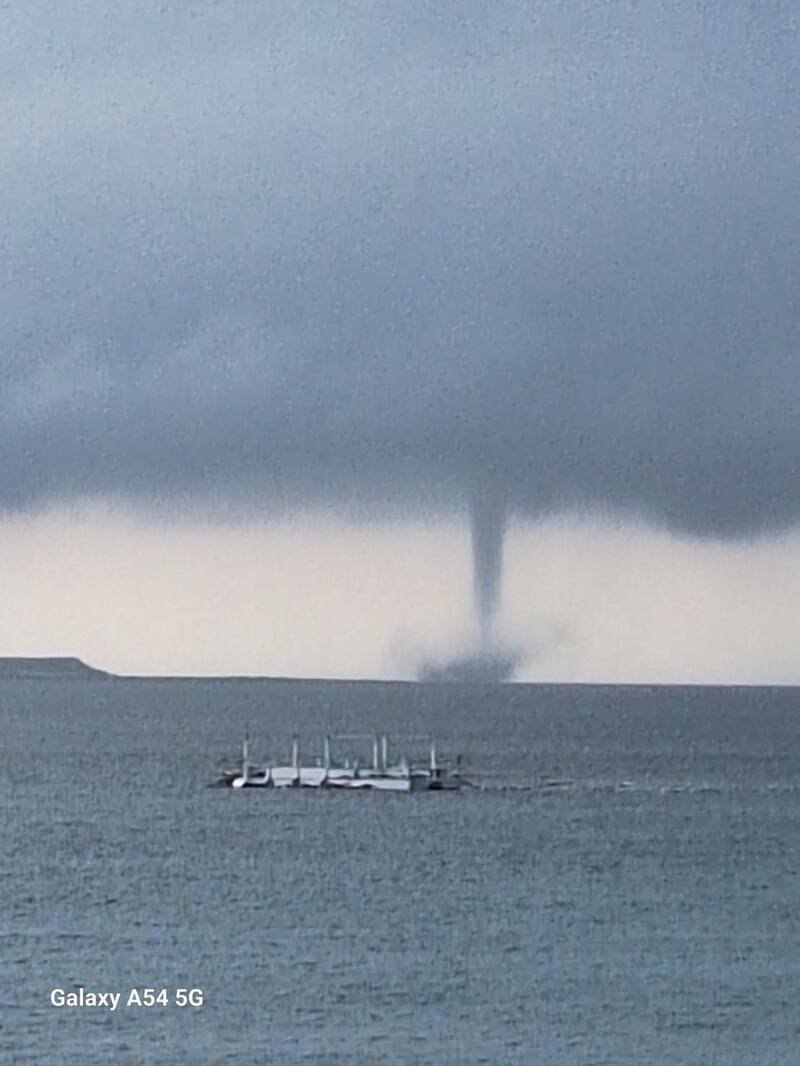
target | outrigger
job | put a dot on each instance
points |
(383, 774)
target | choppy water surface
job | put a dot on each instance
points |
(633, 898)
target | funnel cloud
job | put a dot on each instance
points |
(487, 518)
(488, 661)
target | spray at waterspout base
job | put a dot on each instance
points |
(489, 666)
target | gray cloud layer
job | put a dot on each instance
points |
(377, 249)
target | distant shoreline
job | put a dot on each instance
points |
(71, 668)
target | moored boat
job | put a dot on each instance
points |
(383, 774)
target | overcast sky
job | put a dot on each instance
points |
(379, 256)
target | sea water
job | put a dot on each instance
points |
(621, 886)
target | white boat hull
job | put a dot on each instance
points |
(381, 784)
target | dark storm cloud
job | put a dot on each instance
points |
(368, 251)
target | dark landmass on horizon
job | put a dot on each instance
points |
(60, 667)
